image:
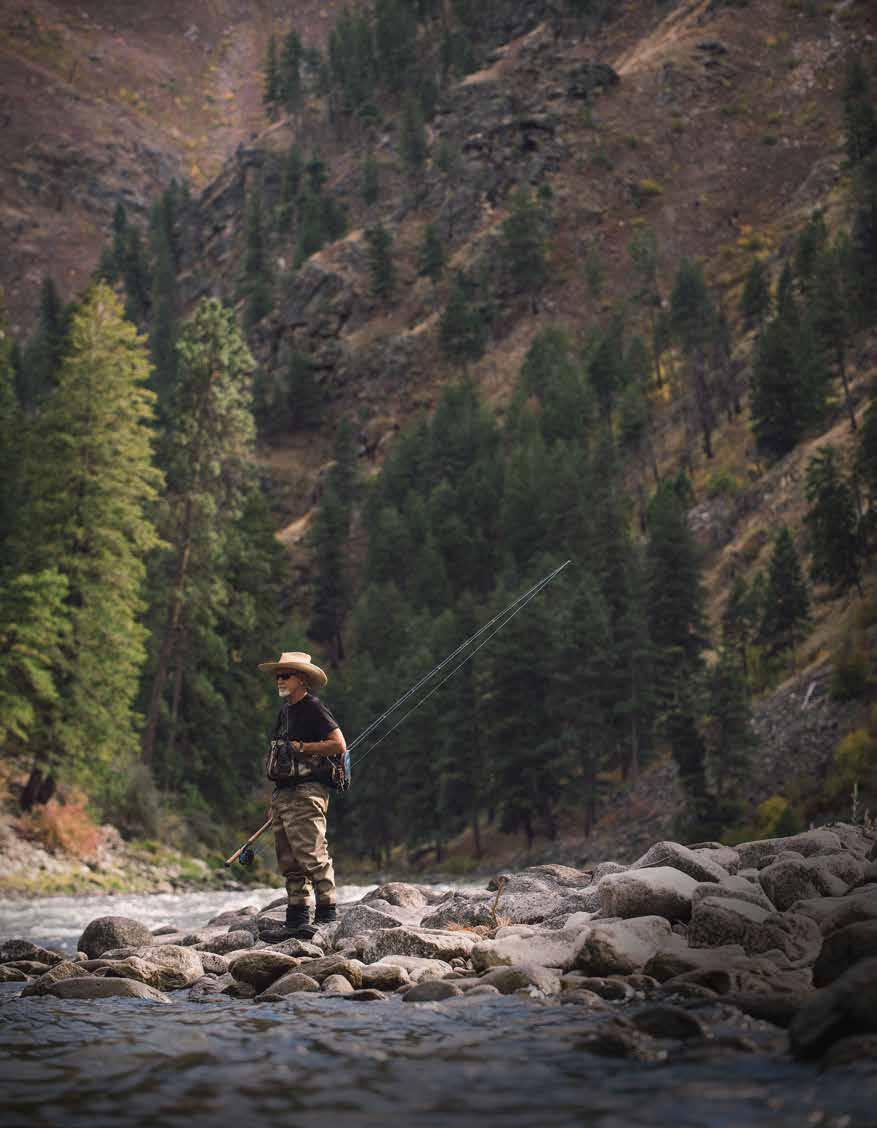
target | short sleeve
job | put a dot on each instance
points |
(322, 721)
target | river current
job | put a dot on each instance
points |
(512, 1061)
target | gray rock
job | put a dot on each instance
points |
(724, 856)
(563, 876)
(779, 1007)
(385, 977)
(461, 908)
(554, 948)
(613, 990)
(832, 913)
(239, 990)
(844, 948)
(431, 943)
(337, 985)
(666, 1021)
(847, 1007)
(788, 880)
(398, 893)
(681, 858)
(431, 991)
(618, 1039)
(482, 989)
(14, 950)
(508, 980)
(29, 967)
(10, 974)
(678, 958)
(213, 964)
(333, 965)
(364, 918)
(91, 987)
(166, 967)
(734, 888)
(227, 942)
(851, 1051)
(296, 947)
(366, 995)
(583, 998)
(105, 933)
(232, 916)
(810, 842)
(417, 967)
(260, 969)
(659, 891)
(717, 921)
(291, 983)
(67, 969)
(603, 868)
(621, 947)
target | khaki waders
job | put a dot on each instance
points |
(299, 825)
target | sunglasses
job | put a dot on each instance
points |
(284, 677)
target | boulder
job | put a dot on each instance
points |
(620, 947)
(337, 985)
(105, 933)
(666, 1021)
(291, 983)
(563, 876)
(462, 908)
(232, 916)
(227, 942)
(678, 958)
(91, 987)
(385, 977)
(724, 856)
(845, 1008)
(844, 948)
(14, 950)
(398, 893)
(10, 974)
(523, 977)
(364, 918)
(832, 913)
(734, 888)
(67, 969)
(259, 969)
(791, 880)
(333, 965)
(167, 967)
(428, 942)
(681, 858)
(528, 899)
(431, 991)
(810, 842)
(854, 1050)
(417, 967)
(481, 990)
(555, 948)
(660, 891)
(213, 964)
(778, 1007)
(614, 990)
(296, 947)
(606, 867)
(717, 920)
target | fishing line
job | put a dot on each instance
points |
(519, 604)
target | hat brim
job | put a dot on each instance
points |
(313, 674)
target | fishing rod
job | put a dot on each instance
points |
(246, 854)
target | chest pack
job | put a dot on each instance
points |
(285, 768)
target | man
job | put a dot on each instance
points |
(305, 738)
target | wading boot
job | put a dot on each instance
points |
(298, 926)
(325, 914)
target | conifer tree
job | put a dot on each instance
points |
(380, 262)
(644, 254)
(135, 273)
(207, 458)
(42, 357)
(739, 621)
(866, 459)
(756, 300)
(93, 485)
(524, 244)
(862, 270)
(431, 260)
(830, 308)
(833, 523)
(293, 170)
(371, 185)
(462, 327)
(605, 364)
(551, 373)
(256, 282)
(289, 82)
(412, 137)
(163, 328)
(860, 116)
(693, 317)
(395, 32)
(271, 88)
(730, 737)
(786, 607)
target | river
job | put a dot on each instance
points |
(508, 1062)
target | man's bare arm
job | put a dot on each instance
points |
(333, 745)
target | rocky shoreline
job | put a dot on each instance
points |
(782, 930)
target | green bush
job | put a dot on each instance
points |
(851, 669)
(137, 812)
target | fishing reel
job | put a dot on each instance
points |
(247, 856)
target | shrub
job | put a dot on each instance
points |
(722, 483)
(854, 763)
(137, 808)
(64, 826)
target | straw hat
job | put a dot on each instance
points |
(301, 664)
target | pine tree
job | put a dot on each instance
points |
(395, 41)
(163, 329)
(271, 88)
(862, 270)
(93, 485)
(739, 621)
(860, 117)
(693, 317)
(833, 523)
(756, 301)
(371, 186)
(256, 281)
(207, 456)
(604, 354)
(135, 273)
(431, 260)
(786, 608)
(462, 327)
(676, 600)
(289, 90)
(830, 308)
(730, 737)
(524, 246)
(644, 254)
(412, 136)
(380, 262)
(551, 373)
(43, 355)
(866, 458)
(293, 170)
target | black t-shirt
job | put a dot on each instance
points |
(307, 720)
